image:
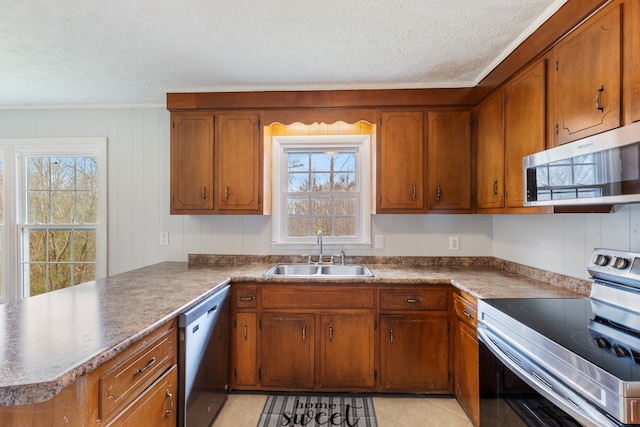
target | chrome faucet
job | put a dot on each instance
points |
(320, 243)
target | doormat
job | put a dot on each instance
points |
(314, 411)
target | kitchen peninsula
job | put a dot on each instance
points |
(54, 342)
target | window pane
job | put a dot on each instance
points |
(39, 207)
(321, 207)
(86, 207)
(344, 182)
(37, 279)
(321, 162)
(345, 207)
(345, 162)
(345, 226)
(59, 246)
(298, 227)
(83, 273)
(84, 246)
(320, 182)
(321, 224)
(298, 161)
(62, 207)
(298, 182)
(297, 206)
(59, 276)
(63, 173)
(37, 245)
(87, 173)
(38, 173)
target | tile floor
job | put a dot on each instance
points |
(243, 410)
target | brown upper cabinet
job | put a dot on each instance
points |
(216, 163)
(511, 125)
(449, 160)
(401, 163)
(192, 163)
(490, 153)
(631, 62)
(239, 163)
(585, 78)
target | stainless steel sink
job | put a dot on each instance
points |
(315, 270)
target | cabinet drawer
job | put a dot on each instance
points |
(127, 380)
(465, 310)
(156, 406)
(246, 297)
(414, 299)
(312, 297)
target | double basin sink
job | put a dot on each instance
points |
(318, 270)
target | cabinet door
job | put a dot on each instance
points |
(401, 163)
(524, 115)
(466, 368)
(239, 163)
(449, 160)
(287, 350)
(347, 351)
(155, 407)
(587, 78)
(245, 372)
(414, 353)
(631, 61)
(490, 153)
(191, 163)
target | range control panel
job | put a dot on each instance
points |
(615, 266)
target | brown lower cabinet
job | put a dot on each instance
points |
(467, 384)
(136, 387)
(336, 338)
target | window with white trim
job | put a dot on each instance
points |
(320, 185)
(55, 195)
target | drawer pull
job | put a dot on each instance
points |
(330, 333)
(244, 331)
(412, 300)
(245, 299)
(466, 313)
(304, 332)
(151, 362)
(390, 335)
(170, 410)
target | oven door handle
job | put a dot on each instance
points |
(542, 382)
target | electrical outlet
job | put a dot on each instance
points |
(454, 243)
(379, 243)
(164, 238)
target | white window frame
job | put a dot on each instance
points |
(362, 145)
(14, 152)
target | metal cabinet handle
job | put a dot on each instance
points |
(330, 333)
(170, 410)
(494, 187)
(245, 299)
(414, 194)
(245, 330)
(304, 332)
(466, 313)
(598, 101)
(412, 300)
(226, 193)
(390, 335)
(149, 364)
(438, 192)
(203, 193)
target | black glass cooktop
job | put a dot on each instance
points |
(569, 322)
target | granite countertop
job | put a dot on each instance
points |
(48, 341)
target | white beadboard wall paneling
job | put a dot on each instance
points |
(428, 235)
(257, 235)
(573, 244)
(634, 228)
(616, 228)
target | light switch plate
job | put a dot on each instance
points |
(379, 242)
(454, 243)
(164, 238)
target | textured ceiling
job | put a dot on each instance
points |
(64, 52)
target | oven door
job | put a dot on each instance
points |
(516, 392)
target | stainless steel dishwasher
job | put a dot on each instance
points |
(204, 360)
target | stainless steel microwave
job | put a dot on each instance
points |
(601, 169)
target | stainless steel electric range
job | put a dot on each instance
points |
(562, 361)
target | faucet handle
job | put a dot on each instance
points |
(339, 255)
(308, 258)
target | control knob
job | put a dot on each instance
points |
(602, 342)
(601, 260)
(620, 351)
(620, 263)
